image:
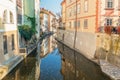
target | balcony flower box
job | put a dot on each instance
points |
(118, 29)
(108, 29)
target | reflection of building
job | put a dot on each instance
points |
(27, 70)
(45, 47)
(48, 24)
(77, 67)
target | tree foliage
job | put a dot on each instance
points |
(26, 32)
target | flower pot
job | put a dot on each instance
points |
(108, 30)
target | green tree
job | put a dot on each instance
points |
(26, 32)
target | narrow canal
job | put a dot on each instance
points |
(60, 63)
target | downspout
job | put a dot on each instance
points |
(75, 27)
(75, 40)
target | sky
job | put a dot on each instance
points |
(52, 5)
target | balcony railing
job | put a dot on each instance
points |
(62, 28)
(109, 29)
(9, 27)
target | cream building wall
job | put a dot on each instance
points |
(90, 15)
(113, 13)
(37, 16)
(8, 29)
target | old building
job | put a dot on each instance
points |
(9, 52)
(85, 19)
(48, 23)
(37, 17)
(8, 30)
(19, 10)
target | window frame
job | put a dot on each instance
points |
(85, 23)
(86, 5)
(11, 18)
(13, 41)
(5, 17)
(109, 4)
(5, 46)
(109, 22)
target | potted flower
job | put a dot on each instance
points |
(108, 30)
(118, 29)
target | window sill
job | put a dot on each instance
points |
(119, 9)
(8, 23)
(85, 27)
(109, 8)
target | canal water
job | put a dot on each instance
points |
(60, 63)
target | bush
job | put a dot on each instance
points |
(26, 32)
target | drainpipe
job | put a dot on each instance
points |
(75, 40)
(75, 27)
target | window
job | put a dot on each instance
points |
(70, 13)
(85, 23)
(5, 44)
(19, 17)
(119, 4)
(86, 6)
(79, 23)
(75, 24)
(108, 22)
(5, 16)
(74, 10)
(70, 1)
(110, 4)
(69, 24)
(13, 45)
(11, 18)
(78, 8)
(11, 0)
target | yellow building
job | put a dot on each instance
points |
(84, 19)
(48, 25)
(90, 16)
(80, 13)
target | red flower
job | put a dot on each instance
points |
(108, 29)
(118, 29)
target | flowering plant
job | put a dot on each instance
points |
(108, 30)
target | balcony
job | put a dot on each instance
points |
(8, 27)
(109, 29)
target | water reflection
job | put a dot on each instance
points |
(69, 65)
(51, 66)
(76, 67)
(48, 45)
(29, 69)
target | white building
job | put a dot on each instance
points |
(8, 37)
(8, 30)
(37, 16)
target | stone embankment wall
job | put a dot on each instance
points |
(109, 48)
(99, 46)
(85, 42)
